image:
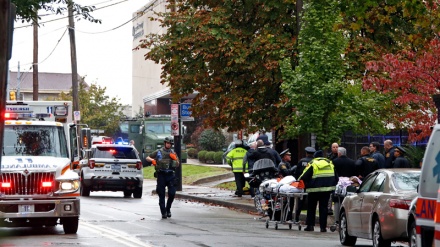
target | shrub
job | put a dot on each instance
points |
(209, 157)
(218, 157)
(211, 140)
(192, 153)
(201, 155)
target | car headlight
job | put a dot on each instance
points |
(66, 187)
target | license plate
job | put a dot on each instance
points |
(116, 167)
(26, 208)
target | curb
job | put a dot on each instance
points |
(213, 178)
(242, 207)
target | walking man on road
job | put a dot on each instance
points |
(165, 162)
(235, 159)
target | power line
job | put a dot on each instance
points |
(149, 8)
(64, 17)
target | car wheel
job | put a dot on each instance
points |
(84, 190)
(412, 235)
(137, 193)
(378, 240)
(70, 224)
(344, 238)
(127, 193)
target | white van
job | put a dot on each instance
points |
(425, 210)
(253, 137)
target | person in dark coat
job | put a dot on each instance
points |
(302, 164)
(284, 167)
(334, 152)
(264, 152)
(400, 161)
(378, 156)
(263, 137)
(389, 153)
(365, 164)
(344, 166)
(250, 163)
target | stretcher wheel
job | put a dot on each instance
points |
(267, 224)
(290, 226)
(276, 226)
(333, 228)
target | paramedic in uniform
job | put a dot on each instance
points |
(165, 162)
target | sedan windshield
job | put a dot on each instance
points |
(406, 181)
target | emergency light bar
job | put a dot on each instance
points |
(25, 115)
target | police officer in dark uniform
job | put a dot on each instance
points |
(284, 168)
(165, 162)
(302, 164)
(365, 164)
(400, 161)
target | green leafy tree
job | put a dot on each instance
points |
(211, 140)
(98, 110)
(229, 52)
(322, 101)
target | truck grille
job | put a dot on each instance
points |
(27, 183)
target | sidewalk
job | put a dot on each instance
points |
(206, 193)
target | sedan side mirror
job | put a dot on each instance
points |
(351, 189)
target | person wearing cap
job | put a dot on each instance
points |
(302, 164)
(263, 137)
(249, 163)
(165, 162)
(320, 180)
(235, 160)
(264, 152)
(284, 167)
(400, 161)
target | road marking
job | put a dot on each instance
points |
(118, 236)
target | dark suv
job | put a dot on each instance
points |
(112, 167)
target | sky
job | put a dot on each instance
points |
(104, 51)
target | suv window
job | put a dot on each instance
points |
(115, 153)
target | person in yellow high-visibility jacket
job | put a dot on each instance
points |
(320, 179)
(235, 159)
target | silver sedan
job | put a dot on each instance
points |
(378, 210)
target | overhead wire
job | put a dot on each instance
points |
(64, 17)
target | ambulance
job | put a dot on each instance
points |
(37, 184)
(427, 211)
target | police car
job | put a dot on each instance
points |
(112, 167)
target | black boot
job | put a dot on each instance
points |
(309, 229)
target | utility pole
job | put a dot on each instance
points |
(7, 18)
(73, 57)
(35, 62)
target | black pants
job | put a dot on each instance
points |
(313, 199)
(240, 182)
(165, 179)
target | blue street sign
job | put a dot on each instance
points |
(185, 112)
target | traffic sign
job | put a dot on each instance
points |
(185, 112)
(76, 116)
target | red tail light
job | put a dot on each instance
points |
(92, 164)
(400, 203)
(139, 165)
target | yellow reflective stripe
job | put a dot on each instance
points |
(321, 189)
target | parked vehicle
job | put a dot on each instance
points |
(112, 167)
(411, 224)
(378, 210)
